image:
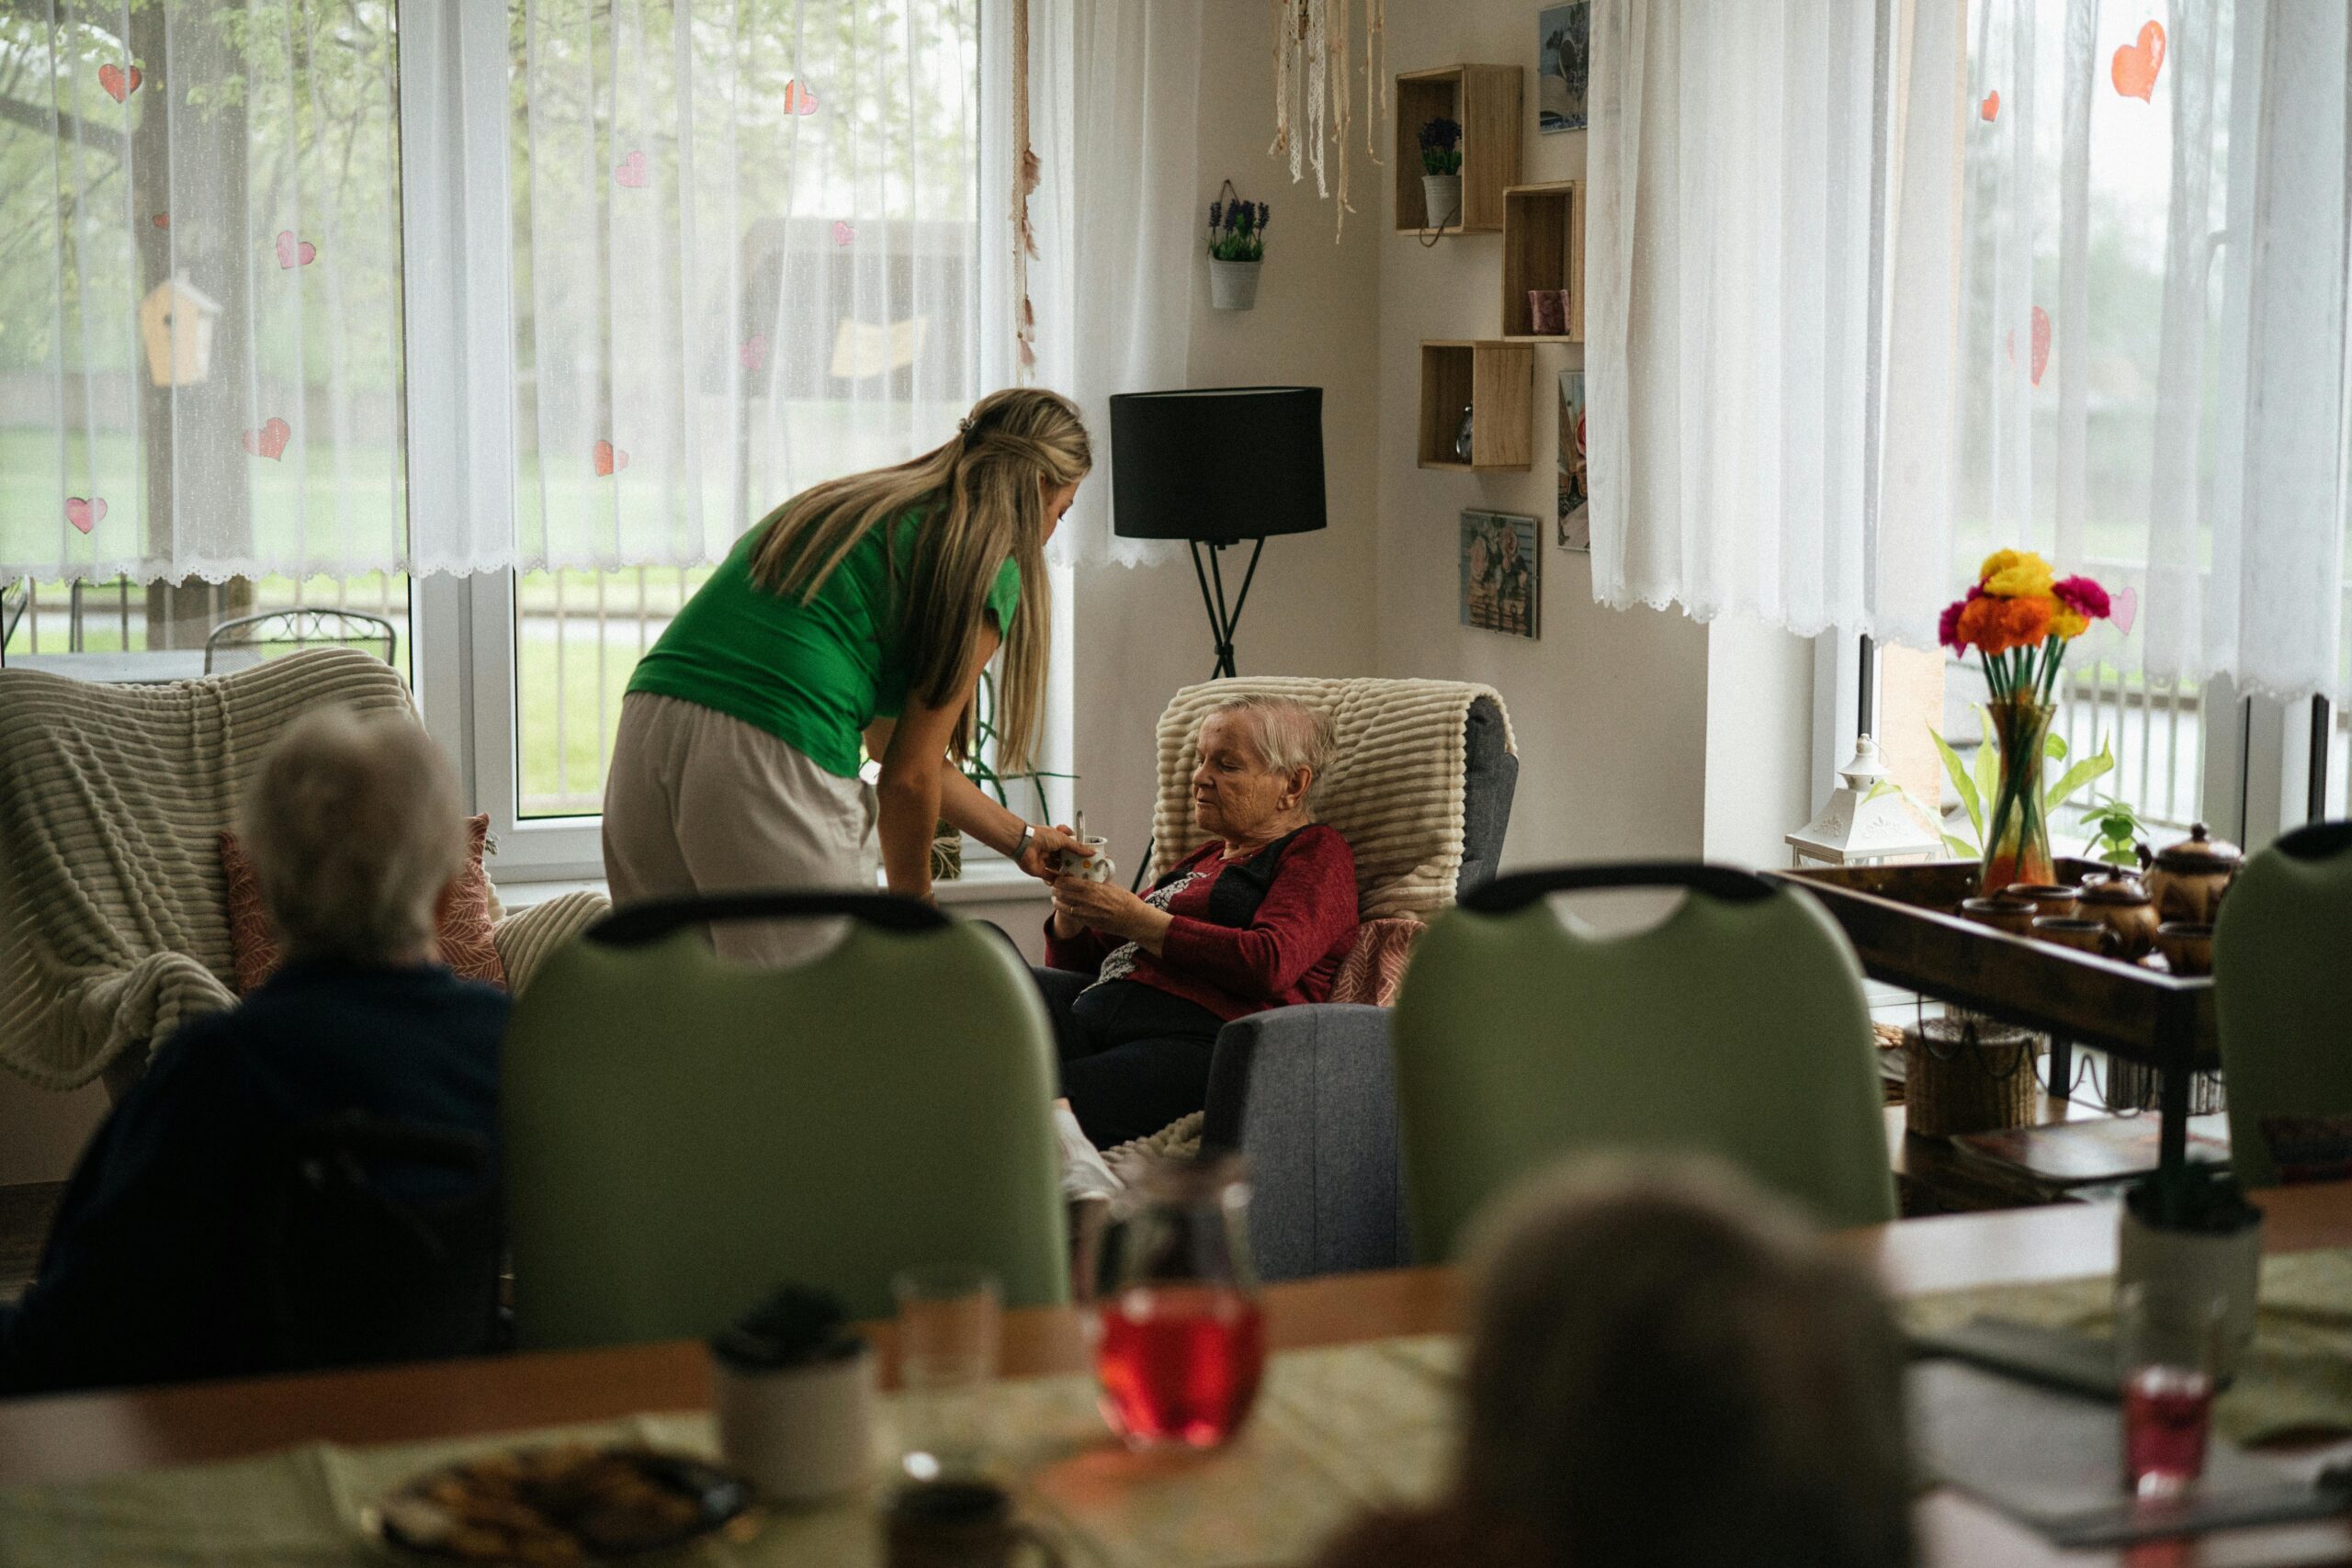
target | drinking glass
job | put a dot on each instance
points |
(950, 1329)
(2167, 1345)
(1182, 1344)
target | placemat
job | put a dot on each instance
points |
(1335, 1431)
(2296, 1379)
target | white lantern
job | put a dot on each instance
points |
(1857, 826)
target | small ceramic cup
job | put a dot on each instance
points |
(799, 1434)
(2014, 916)
(960, 1524)
(2047, 897)
(2084, 936)
(1094, 865)
(2188, 946)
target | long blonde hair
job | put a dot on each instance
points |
(982, 506)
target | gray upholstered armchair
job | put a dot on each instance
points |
(1422, 788)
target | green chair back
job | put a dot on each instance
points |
(683, 1134)
(2282, 990)
(1737, 1027)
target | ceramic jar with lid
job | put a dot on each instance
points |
(2120, 902)
(2187, 879)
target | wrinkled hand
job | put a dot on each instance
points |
(1046, 842)
(1107, 908)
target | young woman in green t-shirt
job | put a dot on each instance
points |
(861, 611)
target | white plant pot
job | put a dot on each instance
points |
(1233, 285)
(2227, 1266)
(799, 1434)
(1441, 195)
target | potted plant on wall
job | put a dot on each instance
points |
(1237, 249)
(1441, 171)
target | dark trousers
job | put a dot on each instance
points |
(1133, 1057)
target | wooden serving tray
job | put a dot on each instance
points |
(1902, 922)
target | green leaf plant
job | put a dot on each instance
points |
(1975, 785)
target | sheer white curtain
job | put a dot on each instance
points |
(1115, 121)
(1728, 259)
(231, 168)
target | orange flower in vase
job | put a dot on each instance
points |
(2019, 619)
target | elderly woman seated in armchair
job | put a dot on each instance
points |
(1258, 917)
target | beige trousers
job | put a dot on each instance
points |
(697, 801)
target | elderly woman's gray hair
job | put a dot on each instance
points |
(1288, 734)
(354, 826)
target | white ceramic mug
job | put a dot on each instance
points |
(799, 1434)
(1092, 866)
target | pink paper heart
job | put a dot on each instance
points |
(161, 219)
(85, 514)
(2136, 64)
(291, 254)
(754, 352)
(117, 86)
(2040, 330)
(2124, 608)
(631, 171)
(610, 458)
(799, 98)
(842, 232)
(1991, 106)
(270, 440)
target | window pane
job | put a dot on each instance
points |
(122, 630)
(577, 636)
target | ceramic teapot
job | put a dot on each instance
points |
(2187, 879)
(2122, 903)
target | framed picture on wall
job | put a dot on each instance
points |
(1502, 573)
(1576, 490)
(1563, 58)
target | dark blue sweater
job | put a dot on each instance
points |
(155, 1270)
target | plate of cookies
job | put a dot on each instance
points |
(564, 1506)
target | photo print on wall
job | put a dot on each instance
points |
(1502, 574)
(1563, 57)
(1575, 488)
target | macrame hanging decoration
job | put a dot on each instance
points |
(1026, 171)
(1314, 101)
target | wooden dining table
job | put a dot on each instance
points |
(73, 1437)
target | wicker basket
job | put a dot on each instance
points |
(1965, 1073)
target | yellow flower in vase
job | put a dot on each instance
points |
(2017, 574)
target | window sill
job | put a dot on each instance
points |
(989, 881)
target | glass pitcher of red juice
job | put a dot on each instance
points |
(1182, 1344)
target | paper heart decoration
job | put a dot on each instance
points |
(754, 352)
(2136, 64)
(118, 85)
(2124, 608)
(161, 219)
(1990, 106)
(842, 232)
(270, 440)
(2040, 330)
(291, 254)
(609, 458)
(799, 99)
(85, 514)
(631, 171)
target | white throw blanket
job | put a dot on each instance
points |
(1395, 789)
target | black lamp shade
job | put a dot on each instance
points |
(1216, 464)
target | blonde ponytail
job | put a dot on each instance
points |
(982, 506)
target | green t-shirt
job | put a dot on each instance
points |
(814, 674)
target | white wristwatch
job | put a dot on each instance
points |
(1028, 831)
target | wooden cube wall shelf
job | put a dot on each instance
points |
(1484, 101)
(1543, 248)
(1495, 381)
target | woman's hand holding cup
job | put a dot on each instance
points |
(1042, 858)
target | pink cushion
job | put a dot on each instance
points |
(1370, 972)
(468, 942)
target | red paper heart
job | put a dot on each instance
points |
(85, 514)
(800, 99)
(161, 219)
(119, 86)
(270, 440)
(290, 253)
(1990, 106)
(842, 232)
(631, 171)
(2040, 330)
(609, 458)
(2136, 64)
(2123, 607)
(754, 352)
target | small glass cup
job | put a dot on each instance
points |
(950, 1322)
(2167, 1350)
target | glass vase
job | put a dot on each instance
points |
(2016, 825)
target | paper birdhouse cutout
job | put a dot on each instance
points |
(176, 321)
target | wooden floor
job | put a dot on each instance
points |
(25, 1214)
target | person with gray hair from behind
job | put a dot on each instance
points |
(1667, 1369)
(1258, 917)
(163, 1262)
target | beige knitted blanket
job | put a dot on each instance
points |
(1395, 788)
(113, 924)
